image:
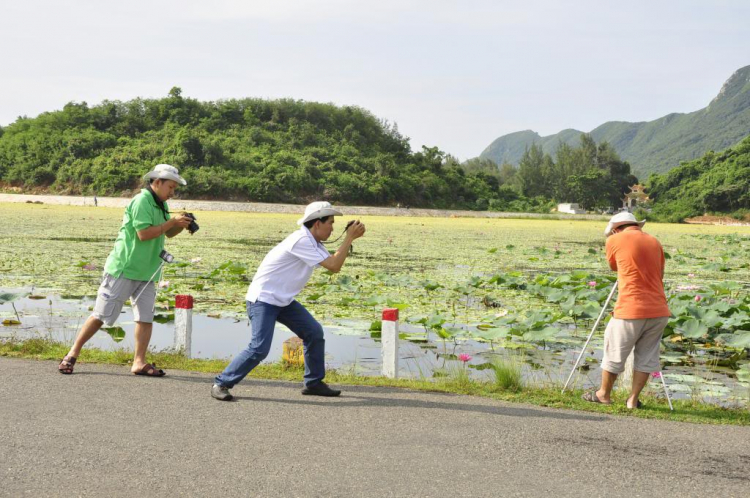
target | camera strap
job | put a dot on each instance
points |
(351, 247)
(159, 202)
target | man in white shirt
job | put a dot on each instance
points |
(282, 275)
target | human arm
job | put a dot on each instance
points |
(663, 263)
(336, 261)
(611, 258)
(170, 228)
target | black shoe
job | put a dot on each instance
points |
(320, 389)
(221, 393)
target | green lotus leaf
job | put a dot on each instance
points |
(541, 334)
(493, 333)
(738, 340)
(8, 297)
(435, 321)
(692, 329)
(712, 319)
(116, 333)
(736, 320)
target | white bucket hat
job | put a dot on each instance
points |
(620, 219)
(165, 172)
(317, 210)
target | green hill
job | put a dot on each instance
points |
(653, 146)
(718, 182)
(249, 149)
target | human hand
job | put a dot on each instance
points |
(355, 230)
(182, 220)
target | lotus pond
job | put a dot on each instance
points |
(467, 288)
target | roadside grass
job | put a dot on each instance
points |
(693, 411)
(508, 375)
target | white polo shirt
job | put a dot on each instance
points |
(286, 269)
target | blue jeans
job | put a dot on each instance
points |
(263, 318)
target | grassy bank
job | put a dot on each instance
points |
(685, 411)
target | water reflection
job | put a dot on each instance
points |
(350, 347)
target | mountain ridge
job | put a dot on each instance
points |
(652, 146)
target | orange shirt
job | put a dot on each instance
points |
(638, 259)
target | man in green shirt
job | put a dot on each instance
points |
(133, 266)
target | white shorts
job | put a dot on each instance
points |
(112, 294)
(621, 336)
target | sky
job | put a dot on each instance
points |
(451, 74)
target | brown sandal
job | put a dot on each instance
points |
(150, 370)
(66, 365)
(593, 398)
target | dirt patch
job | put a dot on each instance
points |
(718, 220)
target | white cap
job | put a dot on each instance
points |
(620, 219)
(165, 172)
(318, 209)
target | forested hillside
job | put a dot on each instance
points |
(249, 149)
(718, 182)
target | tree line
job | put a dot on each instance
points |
(288, 151)
(592, 175)
(242, 149)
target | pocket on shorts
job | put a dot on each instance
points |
(108, 303)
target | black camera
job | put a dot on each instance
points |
(193, 226)
(348, 225)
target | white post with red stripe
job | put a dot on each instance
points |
(183, 321)
(389, 341)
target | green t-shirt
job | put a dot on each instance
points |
(131, 257)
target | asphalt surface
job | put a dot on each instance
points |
(105, 432)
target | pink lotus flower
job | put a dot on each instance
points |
(89, 267)
(656, 375)
(592, 283)
(464, 357)
(164, 284)
(698, 298)
(691, 275)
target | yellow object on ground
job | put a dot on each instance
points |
(292, 352)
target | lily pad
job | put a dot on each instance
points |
(116, 333)
(542, 334)
(692, 329)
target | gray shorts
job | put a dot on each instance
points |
(112, 294)
(621, 336)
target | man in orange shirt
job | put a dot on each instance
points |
(641, 312)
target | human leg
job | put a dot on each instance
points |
(142, 338)
(143, 299)
(263, 320)
(619, 339)
(605, 389)
(110, 298)
(307, 328)
(90, 327)
(646, 356)
(640, 379)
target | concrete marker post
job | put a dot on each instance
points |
(389, 341)
(183, 321)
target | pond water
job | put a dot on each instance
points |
(351, 346)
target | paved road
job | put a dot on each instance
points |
(104, 432)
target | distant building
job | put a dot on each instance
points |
(571, 208)
(637, 197)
